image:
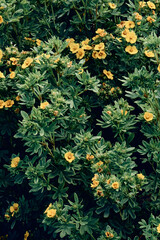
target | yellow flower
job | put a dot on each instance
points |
(69, 41)
(112, 5)
(51, 213)
(69, 64)
(74, 47)
(115, 185)
(44, 105)
(99, 46)
(142, 4)
(121, 24)
(14, 162)
(108, 74)
(100, 32)
(119, 39)
(38, 41)
(9, 103)
(57, 60)
(140, 176)
(85, 42)
(80, 53)
(1, 75)
(1, 54)
(149, 53)
(148, 116)
(131, 37)
(112, 89)
(158, 228)
(27, 62)
(131, 49)
(11, 209)
(1, 19)
(15, 206)
(108, 181)
(138, 23)
(14, 60)
(89, 157)
(1, 104)
(12, 75)
(80, 71)
(129, 24)
(109, 112)
(150, 19)
(18, 98)
(94, 184)
(69, 157)
(101, 55)
(26, 235)
(151, 5)
(99, 163)
(109, 235)
(125, 33)
(95, 54)
(138, 16)
(158, 68)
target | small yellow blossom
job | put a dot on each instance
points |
(115, 185)
(112, 89)
(57, 60)
(150, 19)
(15, 206)
(101, 55)
(9, 103)
(142, 4)
(138, 16)
(1, 104)
(148, 116)
(51, 213)
(14, 162)
(74, 47)
(95, 54)
(109, 235)
(86, 47)
(109, 112)
(124, 113)
(85, 42)
(99, 163)
(99, 46)
(131, 37)
(94, 184)
(12, 75)
(129, 24)
(11, 209)
(149, 53)
(89, 157)
(158, 68)
(1, 19)
(100, 32)
(151, 5)
(109, 181)
(80, 71)
(69, 64)
(125, 33)
(121, 24)
(108, 74)
(80, 53)
(50, 205)
(38, 41)
(69, 41)
(140, 176)
(95, 37)
(14, 60)
(131, 49)
(69, 157)
(112, 5)
(1, 75)
(44, 105)
(27, 62)
(18, 98)
(158, 228)
(26, 235)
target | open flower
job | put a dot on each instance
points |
(142, 4)
(109, 235)
(38, 41)
(44, 105)
(129, 24)
(74, 47)
(148, 116)
(27, 62)
(112, 5)
(1, 75)
(80, 53)
(95, 54)
(101, 55)
(51, 213)
(89, 157)
(108, 74)
(99, 46)
(69, 157)
(131, 49)
(151, 5)
(115, 185)
(26, 235)
(131, 37)
(149, 53)
(12, 75)
(150, 19)
(1, 54)
(94, 184)
(158, 68)
(9, 103)
(140, 176)
(15, 161)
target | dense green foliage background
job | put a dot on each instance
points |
(79, 119)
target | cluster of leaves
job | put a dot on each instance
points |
(79, 119)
